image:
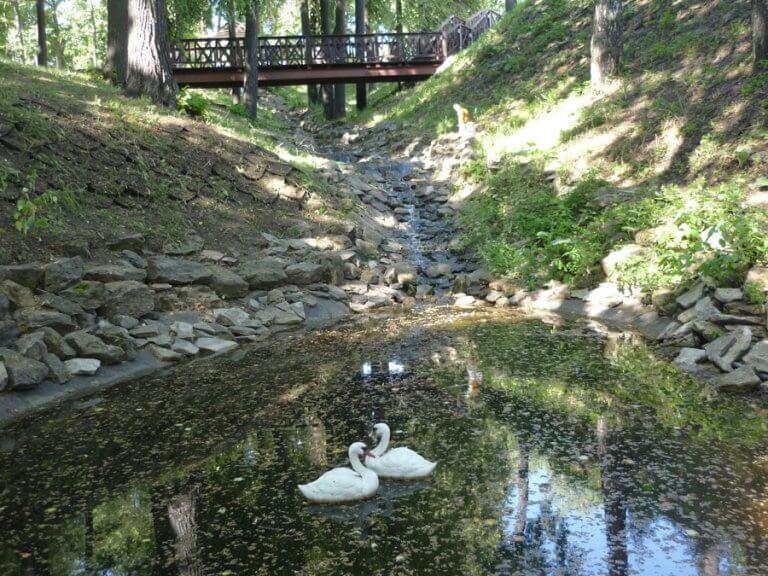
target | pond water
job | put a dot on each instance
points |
(552, 460)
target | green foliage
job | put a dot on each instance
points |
(193, 103)
(708, 232)
(525, 232)
(34, 212)
(755, 294)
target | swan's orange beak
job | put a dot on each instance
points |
(368, 454)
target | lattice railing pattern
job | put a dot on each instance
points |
(275, 52)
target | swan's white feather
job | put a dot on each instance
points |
(402, 463)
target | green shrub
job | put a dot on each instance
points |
(238, 110)
(193, 103)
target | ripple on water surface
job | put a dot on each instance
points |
(553, 459)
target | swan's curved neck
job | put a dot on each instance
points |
(383, 444)
(358, 466)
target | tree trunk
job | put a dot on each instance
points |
(116, 58)
(94, 38)
(360, 21)
(522, 492)
(42, 40)
(306, 31)
(760, 32)
(58, 41)
(340, 90)
(510, 5)
(20, 26)
(606, 41)
(148, 70)
(252, 58)
(614, 500)
(399, 16)
(326, 90)
(232, 29)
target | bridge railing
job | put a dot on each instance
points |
(308, 51)
(483, 21)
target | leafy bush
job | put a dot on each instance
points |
(238, 110)
(193, 103)
(524, 231)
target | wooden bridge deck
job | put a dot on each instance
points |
(349, 58)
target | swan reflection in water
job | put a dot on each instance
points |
(382, 504)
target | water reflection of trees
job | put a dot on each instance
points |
(222, 496)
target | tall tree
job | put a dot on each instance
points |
(760, 32)
(510, 5)
(116, 61)
(58, 40)
(21, 30)
(94, 35)
(232, 32)
(42, 39)
(607, 40)
(340, 90)
(326, 91)
(306, 31)
(148, 70)
(252, 57)
(360, 22)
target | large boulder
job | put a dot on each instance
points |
(264, 273)
(28, 275)
(57, 371)
(127, 242)
(88, 294)
(177, 272)
(90, 346)
(32, 346)
(23, 373)
(758, 357)
(127, 298)
(305, 273)
(61, 274)
(227, 283)
(31, 320)
(18, 296)
(113, 273)
(741, 381)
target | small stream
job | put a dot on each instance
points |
(550, 464)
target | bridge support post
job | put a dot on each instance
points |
(360, 21)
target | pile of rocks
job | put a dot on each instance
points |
(70, 317)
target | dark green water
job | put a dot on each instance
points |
(570, 458)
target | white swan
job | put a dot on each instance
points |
(344, 484)
(398, 463)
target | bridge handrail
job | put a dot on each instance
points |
(313, 50)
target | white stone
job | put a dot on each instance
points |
(183, 329)
(82, 366)
(727, 295)
(231, 316)
(689, 298)
(690, 356)
(185, 347)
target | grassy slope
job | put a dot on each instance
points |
(674, 146)
(89, 164)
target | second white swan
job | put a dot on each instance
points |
(398, 463)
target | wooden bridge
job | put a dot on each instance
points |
(337, 59)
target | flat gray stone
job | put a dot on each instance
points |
(231, 316)
(113, 273)
(127, 298)
(4, 378)
(183, 330)
(9, 332)
(90, 346)
(88, 294)
(215, 345)
(57, 371)
(729, 348)
(741, 381)
(61, 274)
(164, 354)
(82, 366)
(690, 356)
(127, 242)
(227, 283)
(19, 296)
(177, 272)
(758, 356)
(728, 295)
(185, 347)
(32, 346)
(23, 373)
(264, 273)
(31, 320)
(305, 273)
(690, 297)
(28, 275)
